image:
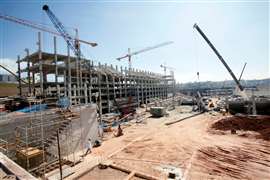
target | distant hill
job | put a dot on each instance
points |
(222, 84)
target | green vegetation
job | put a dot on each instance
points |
(8, 85)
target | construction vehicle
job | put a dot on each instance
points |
(241, 104)
(130, 54)
(219, 57)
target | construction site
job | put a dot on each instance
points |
(71, 117)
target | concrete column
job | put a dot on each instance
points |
(80, 80)
(69, 74)
(121, 82)
(19, 75)
(55, 60)
(120, 87)
(99, 93)
(58, 90)
(113, 81)
(33, 82)
(85, 94)
(77, 77)
(28, 70)
(90, 83)
(75, 94)
(65, 82)
(40, 64)
(56, 68)
(126, 82)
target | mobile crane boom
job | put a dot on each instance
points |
(219, 56)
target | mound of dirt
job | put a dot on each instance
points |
(260, 124)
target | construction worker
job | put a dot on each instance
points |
(88, 147)
(119, 131)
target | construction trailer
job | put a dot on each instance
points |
(53, 75)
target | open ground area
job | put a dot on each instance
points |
(191, 145)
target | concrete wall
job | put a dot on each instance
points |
(73, 140)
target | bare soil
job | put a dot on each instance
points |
(108, 173)
(259, 124)
(189, 145)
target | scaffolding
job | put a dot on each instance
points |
(31, 139)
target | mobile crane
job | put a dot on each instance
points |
(219, 56)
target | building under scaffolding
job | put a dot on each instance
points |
(82, 81)
(31, 139)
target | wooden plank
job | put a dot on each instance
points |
(138, 174)
(130, 175)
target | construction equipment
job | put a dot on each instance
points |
(165, 68)
(242, 72)
(12, 73)
(219, 56)
(72, 43)
(157, 111)
(130, 54)
(40, 27)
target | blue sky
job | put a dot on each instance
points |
(239, 30)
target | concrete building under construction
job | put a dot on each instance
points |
(31, 138)
(52, 75)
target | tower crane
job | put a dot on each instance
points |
(130, 54)
(40, 27)
(219, 56)
(73, 43)
(166, 67)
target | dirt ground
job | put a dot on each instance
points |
(108, 173)
(191, 145)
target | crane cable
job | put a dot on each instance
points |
(196, 49)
